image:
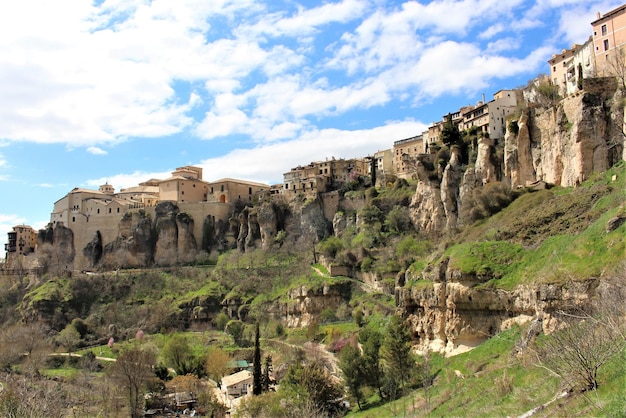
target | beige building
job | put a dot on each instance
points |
(404, 151)
(321, 176)
(87, 212)
(571, 66)
(22, 240)
(185, 185)
(609, 37)
(490, 118)
(230, 190)
(432, 135)
(383, 162)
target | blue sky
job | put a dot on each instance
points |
(121, 91)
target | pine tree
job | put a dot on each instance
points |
(352, 365)
(257, 387)
(396, 353)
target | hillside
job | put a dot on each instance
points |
(476, 265)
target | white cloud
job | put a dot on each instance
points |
(121, 181)
(96, 151)
(259, 164)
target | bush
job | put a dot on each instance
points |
(331, 246)
(486, 201)
(399, 220)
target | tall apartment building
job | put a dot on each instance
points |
(571, 66)
(383, 163)
(609, 38)
(21, 241)
(404, 151)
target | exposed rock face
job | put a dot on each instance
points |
(310, 303)
(93, 251)
(268, 219)
(56, 248)
(426, 208)
(187, 247)
(134, 246)
(561, 145)
(166, 250)
(453, 315)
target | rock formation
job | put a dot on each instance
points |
(455, 315)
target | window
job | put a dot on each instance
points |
(109, 210)
(118, 210)
(603, 30)
(249, 190)
(606, 44)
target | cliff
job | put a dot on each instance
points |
(560, 145)
(450, 312)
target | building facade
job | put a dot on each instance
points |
(22, 240)
(405, 151)
(571, 66)
(609, 41)
(321, 176)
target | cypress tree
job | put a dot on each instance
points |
(257, 387)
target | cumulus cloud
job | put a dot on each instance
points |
(89, 74)
(96, 151)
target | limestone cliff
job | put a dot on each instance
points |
(451, 314)
(562, 145)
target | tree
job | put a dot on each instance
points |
(267, 374)
(178, 354)
(371, 340)
(396, 355)
(312, 386)
(450, 134)
(132, 371)
(257, 387)
(216, 363)
(399, 220)
(578, 350)
(29, 342)
(352, 365)
(69, 338)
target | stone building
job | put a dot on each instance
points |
(404, 151)
(229, 190)
(22, 240)
(322, 176)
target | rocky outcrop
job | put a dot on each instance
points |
(559, 145)
(93, 251)
(564, 144)
(134, 246)
(307, 304)
(426, 207)
(450, 314)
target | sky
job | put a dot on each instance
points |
(121, 91)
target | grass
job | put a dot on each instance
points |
(496, 383)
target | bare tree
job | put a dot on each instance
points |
(615, 66)
(583, 345)
(132, 371)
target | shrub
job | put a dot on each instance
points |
(331, 246)
(486, 201)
